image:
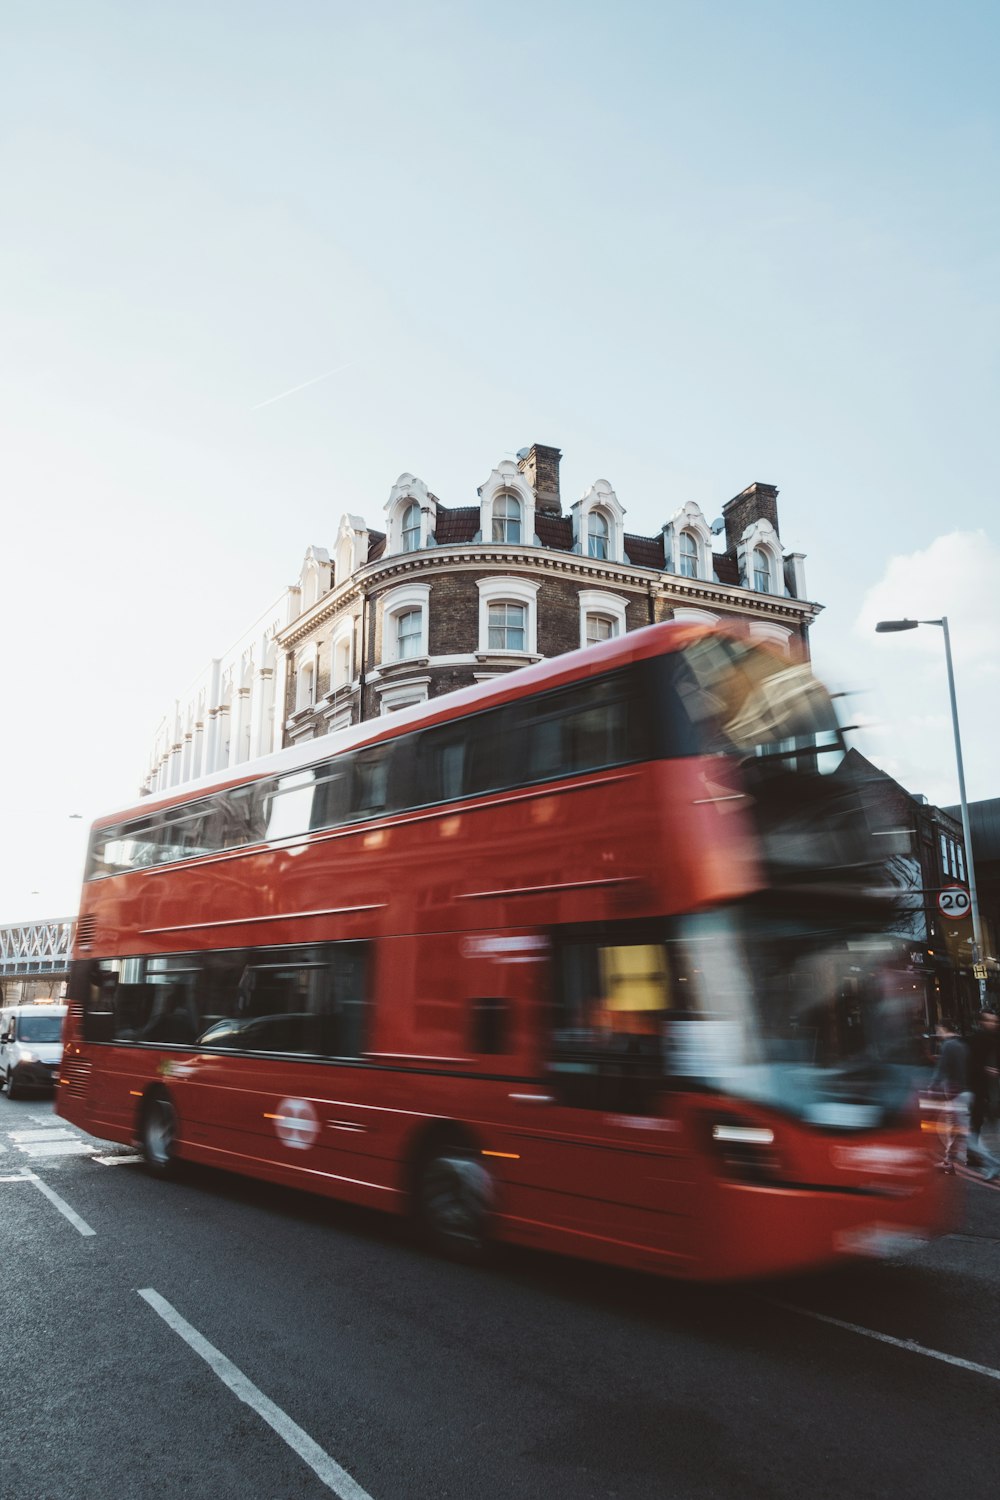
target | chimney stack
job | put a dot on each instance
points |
(758, 502)
(540, 467)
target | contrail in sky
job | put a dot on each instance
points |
(305, 384)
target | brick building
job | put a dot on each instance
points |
(441, 597)
(925, 851)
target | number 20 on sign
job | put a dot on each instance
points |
(954, 901)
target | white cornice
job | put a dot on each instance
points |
(469, 557)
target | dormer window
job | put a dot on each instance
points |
(688, 555)
(411, 516)
(598, 535)
(507, 519)
(761, 571)
(411, 528)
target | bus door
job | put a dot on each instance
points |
(597, 1146)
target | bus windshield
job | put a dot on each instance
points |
(759, 1000)
(795, 1009)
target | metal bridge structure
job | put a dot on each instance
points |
(35, 950)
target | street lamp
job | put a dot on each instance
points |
(888, 626)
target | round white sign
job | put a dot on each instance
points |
(297, 1123)
(954, 901)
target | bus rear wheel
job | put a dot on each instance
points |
(453, 1204)
(158, 1135)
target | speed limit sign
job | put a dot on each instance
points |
(954, 901)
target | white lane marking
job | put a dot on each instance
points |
(117, 1161)
(323, 1466)
(49, 1133)
(910, 1345)
(55, 1148)
(62, 1206)
(17, 1177)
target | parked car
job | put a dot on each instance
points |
(30, 1047)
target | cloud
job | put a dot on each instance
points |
(957, 576)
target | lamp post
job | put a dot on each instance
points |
(888, 626)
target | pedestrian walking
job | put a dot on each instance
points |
(984, 1072)
(951, 1083)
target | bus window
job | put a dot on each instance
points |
(243, 814)
(612, 1003)
(371, 781)
(290, 808)
(332, 797)
(490, 1027)
(438, 765)
(95, 984)
(495, 754)
(187, 831)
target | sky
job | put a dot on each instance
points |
(692, 245)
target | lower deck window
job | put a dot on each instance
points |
(309, 1000)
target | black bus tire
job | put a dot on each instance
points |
(454, 1201)
(12, 1091)
(158, 1134)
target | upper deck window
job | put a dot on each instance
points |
(715, 696)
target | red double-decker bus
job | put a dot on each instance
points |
(591, 958)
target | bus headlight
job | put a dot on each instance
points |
(745, 1150)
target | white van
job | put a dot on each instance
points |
(30, 1047)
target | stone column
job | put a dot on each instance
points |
(260, 739)
(241, 705)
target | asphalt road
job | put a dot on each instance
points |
(216, 1338)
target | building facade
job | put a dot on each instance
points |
(925, 853)
(441, 597)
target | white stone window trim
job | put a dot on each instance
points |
(602, 499)
(507, 479)
(409, 490)
(763, 535)
(773, 633)
(306, 672)
(508, 590)
(597, 602)
(343, 635)
(690, 519)
(341, 717)
(399, 601)
(393, 696)
(690, 614)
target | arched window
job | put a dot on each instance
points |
(411, 527)
(409, 634)
(342, 661)
(305, 687)
(761, 571)
(507, 519)
(600, 628)
(597, 534)
(507, 627)
(689, 555)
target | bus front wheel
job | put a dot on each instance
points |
(158, 1134)
(12, 1090)
(454, 1200)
